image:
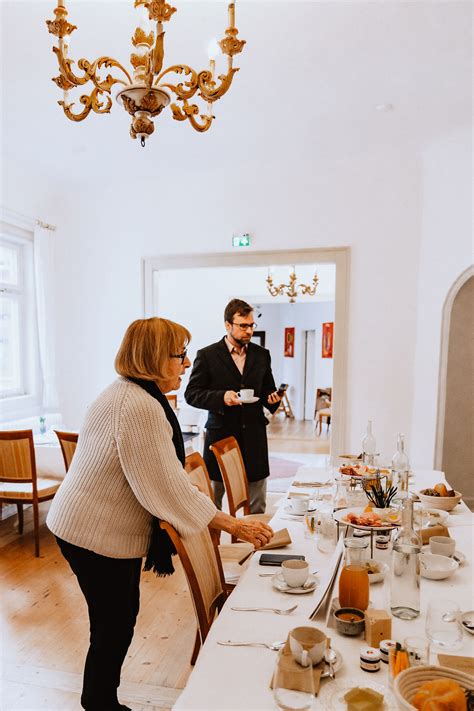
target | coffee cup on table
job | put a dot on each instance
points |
(299, 504)
(295, 572)
(245, 394)
(307, 642)
(442, 545)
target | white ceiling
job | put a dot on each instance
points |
(311, 76)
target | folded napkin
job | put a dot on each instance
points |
(279, 540)
(235, 552)
(464, 664)
(438, 530)
(291, 671)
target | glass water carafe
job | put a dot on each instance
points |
(354, 579)
(405, 582)
(400, 467)
(369, 446)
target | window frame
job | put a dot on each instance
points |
(25, 401)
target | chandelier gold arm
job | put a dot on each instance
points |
(189, 111)
(290, 289)
(310, 290)
(90, 71)
(208, 89)
(90, 103)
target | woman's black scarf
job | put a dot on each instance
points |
(161, 546)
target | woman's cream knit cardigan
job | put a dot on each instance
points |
(124, 471)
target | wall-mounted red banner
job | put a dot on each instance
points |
(289, 347)
(328, 335)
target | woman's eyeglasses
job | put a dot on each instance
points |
(182, 356)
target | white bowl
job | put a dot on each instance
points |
(409, 681)
(436, 516)
(437, 567)
(445, 503)
(383, 570)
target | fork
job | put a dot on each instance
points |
(275, 646)
(277, 610)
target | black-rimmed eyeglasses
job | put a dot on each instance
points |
(245, 326)
(182, 356)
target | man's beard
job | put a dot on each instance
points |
(241, 342)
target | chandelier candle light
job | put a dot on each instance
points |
(147, 89)
(291, 289)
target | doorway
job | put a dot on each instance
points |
(160, 296)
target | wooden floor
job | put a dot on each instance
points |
(44, 626)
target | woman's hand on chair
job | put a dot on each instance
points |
(255, 532)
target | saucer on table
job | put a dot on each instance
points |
(250, 401)
(287, 509)
(279, 584)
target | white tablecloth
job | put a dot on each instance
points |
(49, 461)
(228, 678)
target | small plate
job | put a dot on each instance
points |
(435, 517)
(468, 617)
(334, 700)
(437, 567)
(249, 402)
(310, 585)
(459, 557)
(340, 517)
(289, 510)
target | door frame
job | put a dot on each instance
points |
(340, 256)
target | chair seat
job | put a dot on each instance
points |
(17, 490)
(325, 412)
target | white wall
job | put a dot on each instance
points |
(372, 203)
(446, 250)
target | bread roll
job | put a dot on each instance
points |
(440, 695)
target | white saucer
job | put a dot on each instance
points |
(289, 510)
(459, 557)
(249, 402)
(468, 617)
(279, 584)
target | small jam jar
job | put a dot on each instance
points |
(385, 646)
(370, 659)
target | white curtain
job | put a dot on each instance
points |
(44, 273)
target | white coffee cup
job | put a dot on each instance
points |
(442, 545)
(245, 395)
(299, 504)
(295, 572)
(307, 641)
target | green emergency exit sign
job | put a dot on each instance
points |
(241, 241)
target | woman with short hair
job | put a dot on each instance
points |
(127, 473)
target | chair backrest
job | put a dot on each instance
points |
(197, 470)
(173, 401)
(68, 442)
(201, 562)
(17, 456)
(232, 467)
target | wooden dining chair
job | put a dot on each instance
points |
(232, 468)
(202, 566)
(196, 468)
(68, 442)
(19, 483)
(229, 553)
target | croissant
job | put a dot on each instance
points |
(440, 695)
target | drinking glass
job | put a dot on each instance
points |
(442, 623)
(327, 531)
(311, 525)
(293, 684)
(418, 649)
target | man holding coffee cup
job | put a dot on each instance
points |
(233, 380)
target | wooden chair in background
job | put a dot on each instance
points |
(322, 407)
(232, 468)
(197, 470)
(19, 483)
(202, 566)
(68, 442)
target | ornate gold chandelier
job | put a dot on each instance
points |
(147, 89)
(292, 288)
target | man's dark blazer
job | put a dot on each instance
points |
(214, 372)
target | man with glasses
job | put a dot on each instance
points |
(219, 372)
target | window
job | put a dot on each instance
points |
(18, 333)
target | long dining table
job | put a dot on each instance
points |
(229, 678)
